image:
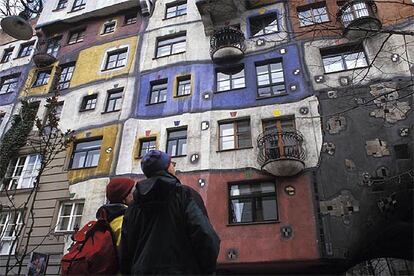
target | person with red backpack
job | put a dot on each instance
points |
(95, 250)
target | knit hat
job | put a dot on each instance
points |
(154, 161)
(118, 189)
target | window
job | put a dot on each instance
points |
(171, 45)
(270, 79)
(109, 28)
(114, 101)
(263, 24)
(183, 86)
(235, 134)
(177, 142)
(354, 11)
(252, 202)
(21, 172)
(314, 14)
(79, 5)
(65, 76)
(89, 102)
(61, 4)
(147, 144)
(8, 84)
(42, 78)
(86, 154)
(175, 9)
(7, 55)
(10, 226)
(158, 93)
(26, 49)
(116, 59)
(70, 215)
(53, 46)
(130, 19)
(282, 124)
(342, 58)
(230, 79)
(76, 36)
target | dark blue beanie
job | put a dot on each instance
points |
(154, 161)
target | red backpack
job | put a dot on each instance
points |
(93, 251)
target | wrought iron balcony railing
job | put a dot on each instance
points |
(227, 45)
(281, 152)
(359, 17)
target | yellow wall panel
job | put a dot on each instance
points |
(29, 90)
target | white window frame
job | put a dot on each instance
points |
(4, 240)
(20, 178)
(72, 217)
(110, 51)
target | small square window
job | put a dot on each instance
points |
(116, 59)
(130, 19)
(76, 36)
(78, 5)
(263, 24)
(252, 202)
(171, 45)
(176, 9)
(177, 142)
(65, 76)
(147, 144)
(26, 49)
(86, 154)
(109, 27)
(114, 101)
(230, 79)
(270, 79)
(235, 134)
(8, 84)
(53, 46)
(42, 78)
(61, 4)
(7, 55)
(313, 14)
(70, 215)
(344, 57)
(89, 102)
(158, 93)
(183, 86)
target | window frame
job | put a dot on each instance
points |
(54, 45)
(175, 5)
(174, 39)
(254, 198)
(235, 135)
(80, 36)
(26, 49)
(14, 83)
(117, 53)
(116, 99)
(7, 55)
(130, 16)
(154, 84)
(312, 8)
(343, 51)
(231, 77)
(188, 83)
(15, 228)
(269, 63)
(45, 71)
(261, 17)
(111, 24)
(74, 152)
(66, 81)
(72, 217)
(62, 4)
(145, 140)
(78, 5)
(84, 103)
(15, 182)
(177, 140)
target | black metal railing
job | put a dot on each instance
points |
(227, 38)
(357, 10)
(277, 145)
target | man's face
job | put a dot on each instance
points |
(129, 199)
(171, 168)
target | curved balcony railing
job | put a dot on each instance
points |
(359, 17)
(227, 45)
(281, 152)
(46, 52)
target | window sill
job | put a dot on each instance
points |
(253, 223)
(346, 70)
(315, 24)
(104, 34)
(224, 91)
(175, 54)
(113, 111)
(178, 156)
(182, 96)
(226, 150)
(86, 110)
(164, 19)
(107, 70)
(259, 36)
(83, 168)
(76, 10)
(149, 104)
(274, 96)
(73, 43)
(60, 9)
(40, 85)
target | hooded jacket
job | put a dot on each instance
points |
(167, 230)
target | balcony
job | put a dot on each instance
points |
(46, 52)
(227, 46)
(359, 18)
(281, 152)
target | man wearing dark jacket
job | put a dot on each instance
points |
(166, 230)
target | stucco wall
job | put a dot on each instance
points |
(5, 110)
